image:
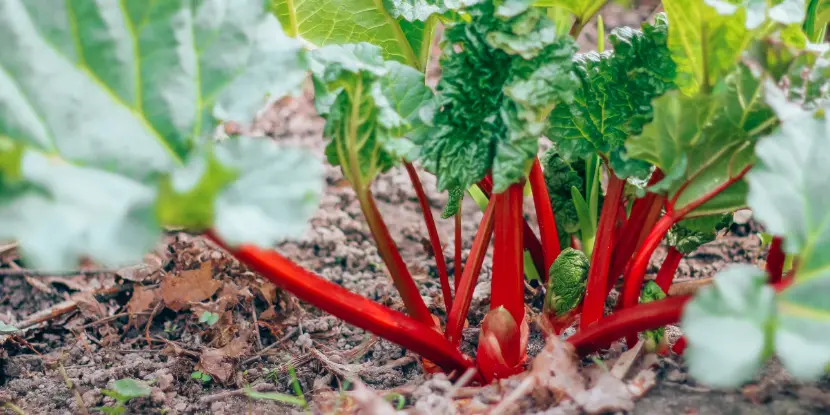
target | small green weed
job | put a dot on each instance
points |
(123, 391)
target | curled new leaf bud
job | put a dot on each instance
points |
(502, 345)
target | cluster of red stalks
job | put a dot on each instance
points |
(624, 246)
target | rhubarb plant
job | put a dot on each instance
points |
(109, 134)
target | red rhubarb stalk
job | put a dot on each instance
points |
(352, 308)
(594, 305)
(624, 323)
(459, 266)
(679, 346)
(644, 215)
(434, 239)
(775, 260)
(387, 249)
(637, 271)
(508, 277)
(531, 242)
(472, 269)
(545, 217)
(668, 269)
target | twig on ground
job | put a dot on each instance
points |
(13, 408)
(25, 272)
(689, 287)
(256, 325)
(63, 307)
(283, 339)
(111, 318)
(6, 247)
(150, 322)
(262, 387)
(71, 386)
(462, 382)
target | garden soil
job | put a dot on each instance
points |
(83, 331)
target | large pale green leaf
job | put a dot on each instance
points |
(703, 142)
(584, 10)
(403, 29)
(105, 110)
(788, 195)
(704, 43)
(727, 327)
(815, 23)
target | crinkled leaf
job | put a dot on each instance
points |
(705, 40)
(496, 90)
(370, 105)
(105, 101)
(653, 292)
(687, 235)
(561, 177)
(614, 101)
(456, 196)
(403, 29)
(727, 327)
(567, 281)
(788, 195)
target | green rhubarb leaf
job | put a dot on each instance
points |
(689, 234)
(584, 10)
(456, 197)
(614, 101)
(801, 71)
(495, 93)
(370, 106)
(818, 15)
(706, 141)
(787, 194)
(706, 39)
(653, 338)
(107, 112)
(561, 177)
(567, 281)
(727, 326)
(403, 29)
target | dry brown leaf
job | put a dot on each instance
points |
(608, 394)
(139, 272)
(268, 315)
(642, 383)
(221, 363)
(190, 286)
(557, 368)
(370, 402)
(626, 360)
(89, 306)
(142, 299)
(269, 292)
